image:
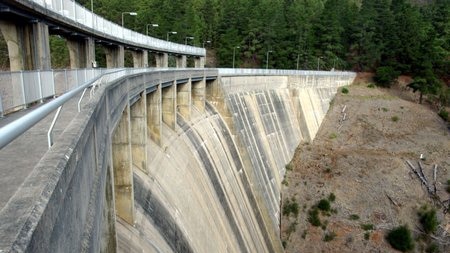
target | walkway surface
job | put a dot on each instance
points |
(19, 158)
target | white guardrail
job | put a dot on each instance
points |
(69, 9)
(21, 88)
(279, 72)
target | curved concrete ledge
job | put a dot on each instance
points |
(177, 173)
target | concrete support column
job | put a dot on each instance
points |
(198, 94)
(123, 170)
(184, 100)
(140, 59)
(181, 61)
(81, 52)
(215, 95)
(139, 133)
(115, 57)
(199, 62)
(162, 60)
(28, 45)
(154, 115)
(169, 105)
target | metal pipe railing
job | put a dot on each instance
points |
(16, 128)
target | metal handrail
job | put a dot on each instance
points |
(16, 128)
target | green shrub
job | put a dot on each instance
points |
(333, 136)
(384, 76)
(353, 217)
(332, 197)
(324, 205)
(329, 236)
(344, 90)
(371, 85)
(385, 109)
(290, 207)
(400, 238)
(432, 248)
(284, 243)
(313, 217)
(367, 226)
(366, 235)
(395, 118)
(428, 219)
(443, 114)
(288, 167)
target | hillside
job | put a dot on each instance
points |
(359, 158)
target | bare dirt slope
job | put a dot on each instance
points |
(361, 161)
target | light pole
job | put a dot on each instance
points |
(186, 38)
(267, 58)
(170, 33)
(298, 60)
(318, 62)
(152, 25)
(92, 6)
(234, 53)
(208, 42)
(130, 13)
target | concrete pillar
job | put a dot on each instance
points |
(215, 95)
(154, 115)
(28, 45)
(181, 61)
(162, 60)
(199, 62)
(123, 170)
(115, 56)
(140, 59)
(198, 91)
(169, 104)
(81, 52)
(139, 133)
(184, 100)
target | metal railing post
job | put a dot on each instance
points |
(23, 90)
(50, 130)
(1, 107)
(41, 99)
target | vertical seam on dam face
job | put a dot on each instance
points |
(194, 138)
(244, 178)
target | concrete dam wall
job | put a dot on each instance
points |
(172, 161)
(217, 179)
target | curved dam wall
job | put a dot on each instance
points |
(175, 161)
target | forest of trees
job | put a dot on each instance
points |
(387, 37)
